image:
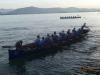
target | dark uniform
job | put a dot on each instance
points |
(18, 45)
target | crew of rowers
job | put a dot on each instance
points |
(72, 17)
(57, 39)
(53, 39)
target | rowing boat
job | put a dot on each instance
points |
(13, 53)
(69, 17)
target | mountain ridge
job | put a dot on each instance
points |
(36, 10)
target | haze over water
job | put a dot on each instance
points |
(63, 62)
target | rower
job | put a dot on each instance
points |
(66, 36)
(69, 34)
(55, 37)
(63, 34)
(78, 32)
(59, 39)
(84, 25)
(41, 44)
(52, 40)
(46, 38)
(18, 45)
(74, 29)
(72, 34)
(37, 41)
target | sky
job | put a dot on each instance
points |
(14, 4)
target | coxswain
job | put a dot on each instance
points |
(18, 45)
(37, 41)
(84, 25)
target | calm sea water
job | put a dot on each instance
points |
(65, 61)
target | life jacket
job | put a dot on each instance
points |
(59, 39)
(37, 42)
(50, 41)
(78, 32)
(66, 36)
(46, 40)
(72, 34)
(63, 34)
(55, 37)
(41, 43)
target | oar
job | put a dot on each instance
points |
(28, 45)
(8, 46)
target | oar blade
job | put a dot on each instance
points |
(7, 46)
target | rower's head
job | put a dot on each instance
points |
(74, 28)
(21, 41)
(54, 32)
(69, 30)
(84, 24)
(51, 35)
(59, 33)
(42, 38)
(48, 35)
(62, 30)
(38, 36)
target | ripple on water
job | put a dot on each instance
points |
(63, 62)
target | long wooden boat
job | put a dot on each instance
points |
(13, 53)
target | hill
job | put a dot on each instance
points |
(35, 10)
(0, 13)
